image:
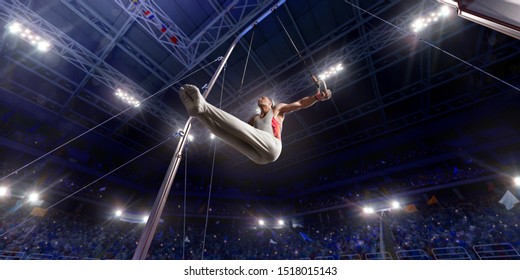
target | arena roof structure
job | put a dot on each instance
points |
(400, 88)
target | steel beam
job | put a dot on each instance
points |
(85, 60)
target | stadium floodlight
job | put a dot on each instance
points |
(396, 205)
(517, 181)
(33, 197)
(15, 27)
(43, 46)
(127, 98)
(145, 219)
(423, 22)
(368, 210)
(3, 191)
(444, 11)
(261, 222)
(212, 136)
(28, 35)
(333, 70)
(190, 138)
(419, 24)
(118, 213)
(281, 222)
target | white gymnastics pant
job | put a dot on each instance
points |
(258, 145)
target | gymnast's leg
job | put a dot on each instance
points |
(256, 144)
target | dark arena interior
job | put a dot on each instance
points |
(414, 156)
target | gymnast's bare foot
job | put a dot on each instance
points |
(192, 100)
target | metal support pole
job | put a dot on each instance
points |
(381, 234)
(162, 196)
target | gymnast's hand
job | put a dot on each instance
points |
(323, 95)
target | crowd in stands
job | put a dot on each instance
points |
(359, 191)
(391, 184)
(458, 223)
(361, 167)
(338, 196)
(465, 223)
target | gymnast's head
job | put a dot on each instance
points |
(265, 101)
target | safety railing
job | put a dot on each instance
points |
(350, 257)
(67, 258)
(501, 251)
(324, 257)
(418, 254)
(451, 253)
(11, 255)
(378, 256)
(35, 256)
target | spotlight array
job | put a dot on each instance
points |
(394, 205)
(34, 197)
(331, 72)
(517, 181)
(127, 98)
(272, 223)
(29, 35)
(3, 191)
(423, 22)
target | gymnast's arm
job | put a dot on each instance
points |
(303, 103)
